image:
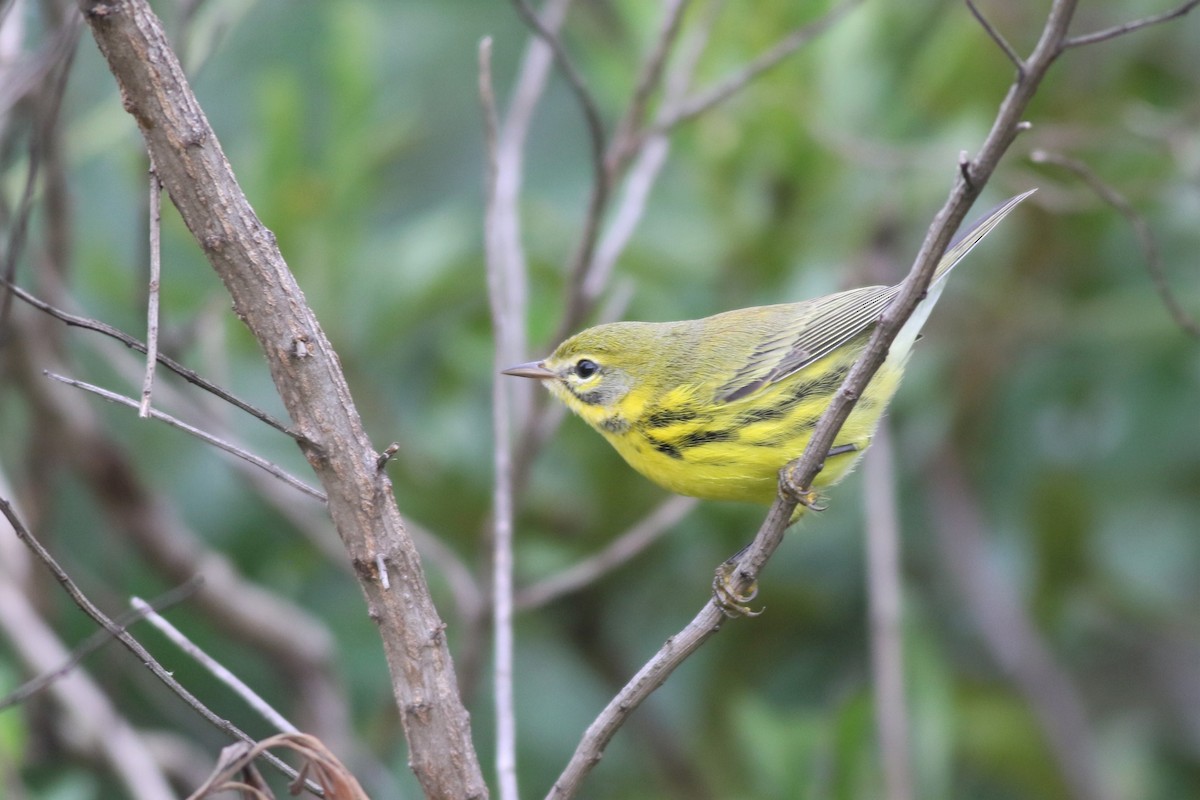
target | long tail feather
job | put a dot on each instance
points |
(966, 240)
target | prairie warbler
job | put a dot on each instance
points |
(715, 407)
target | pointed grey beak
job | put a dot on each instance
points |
(532, 369)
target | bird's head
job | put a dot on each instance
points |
(595, 371)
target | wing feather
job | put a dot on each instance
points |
(813, 329)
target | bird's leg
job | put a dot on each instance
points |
(812, 499)
(732, 602)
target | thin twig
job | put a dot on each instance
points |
(503, 323)
(1141, 229)
(503, 212)
(652, 675)
(650, 152)
(583, 94)
(715, 95)
(189, 375)
(97, 640)
(885, 596)
(215, 441)
(1130, 27)
(997, 37)
(601, 178)
(218, 670)
(152, 293)
(629, 544)
(650, 76)
(131, 644)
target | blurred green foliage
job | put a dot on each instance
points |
(1051, 368)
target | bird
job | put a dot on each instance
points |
(713, 408)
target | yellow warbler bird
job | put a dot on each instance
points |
(715, 407)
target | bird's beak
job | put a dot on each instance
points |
(532, 369)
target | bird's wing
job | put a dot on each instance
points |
(813, 330)
(805, 332)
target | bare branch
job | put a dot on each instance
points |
(1130, 27)
(94, 642)
(189, 375)
(650, 153)
(131, 644)
(1141, 229)
(997, 37)
(885, 596)
(218, 670)
(583, 94)
(504, 208)
(308, 376)
(90, 724)
(626, 546)
(153, 291)
(624, 142)
(203, 436)
(656, 671)
(703, 101)
(601, 180)
(503, 324)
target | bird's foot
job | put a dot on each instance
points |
(733, 603)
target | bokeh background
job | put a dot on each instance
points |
(1045, 443)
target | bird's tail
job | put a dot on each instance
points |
(966, 240)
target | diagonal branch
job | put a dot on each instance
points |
(308, 376)
(1141, 229)
(1130, 27)
(997, 37)
(703, 101)
(133, 344)
(215, 441)
(796, 477)
(131, 644)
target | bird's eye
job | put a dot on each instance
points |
(586, 368)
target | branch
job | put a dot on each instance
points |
(504, 323)
(629, 544)
(997, 37)
(306, 371)
(1130, 27)
(131, 644)
(220, 444)
(153, 292)
(601, 177)
(218, 670)
(188, 375)
(1141, 229)
(885, 596)
(89, 723)
(703, 101)
(46, 112)
(649, 78)
(94, 642)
